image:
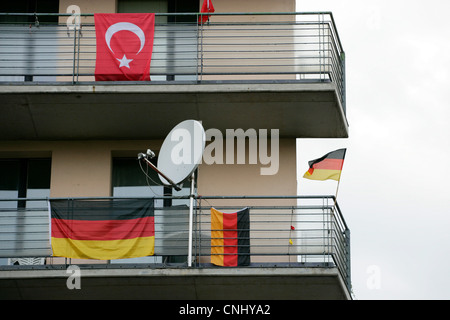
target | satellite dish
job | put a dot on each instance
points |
(181, 152)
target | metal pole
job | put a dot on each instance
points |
(347, 259)
(151, 165)
(78, 50)
(74, 55)
(49, 206)
(191, 217)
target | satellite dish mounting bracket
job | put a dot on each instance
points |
(151, 155)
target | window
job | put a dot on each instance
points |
(28, 65)
(162, 6)
(24, 178)
(29, 6)
(130, 179)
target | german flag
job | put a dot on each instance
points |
(327, 167)
(230, 238)
(102, 229)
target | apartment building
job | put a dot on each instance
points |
(257, 75)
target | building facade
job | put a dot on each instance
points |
(256, 81)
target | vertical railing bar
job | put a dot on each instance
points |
(197, 237)
(49, 225)
(197, 56)
(74, 53)
(329, 234)
(322, 46)
(343, 93)
(347, 259)
(323, 228)
(201, 51)
(78, 51)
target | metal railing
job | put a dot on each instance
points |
(284, 231)
(301, 47)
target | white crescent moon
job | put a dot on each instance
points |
(124, 26)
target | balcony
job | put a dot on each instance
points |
(299, 249)
(275, 70)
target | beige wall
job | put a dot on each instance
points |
(83, 168)
(253, 6)
(246, 179)
(88, 6)
(79, 168)
(110, 6)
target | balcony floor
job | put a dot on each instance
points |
(264, 283)
(137, 111)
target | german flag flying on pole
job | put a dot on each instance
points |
(327, 167)
(102, 229)
(230, 238)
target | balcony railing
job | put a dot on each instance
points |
(302, 231)
(301, 47)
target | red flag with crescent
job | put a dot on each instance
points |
(124, 43)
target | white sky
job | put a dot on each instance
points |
(394, 185)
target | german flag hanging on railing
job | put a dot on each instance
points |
(102, 229)
(230, 238)
(327, 167)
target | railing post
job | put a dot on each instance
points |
(191, 218)
(198, 43)
(74, 54)
(343, 96)
(78, 51)
(200, 53)
(347, 258)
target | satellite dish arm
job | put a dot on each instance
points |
(175, 186)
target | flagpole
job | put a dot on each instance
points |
(337, 188)
(339, 180)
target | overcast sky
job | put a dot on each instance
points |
(394, 190)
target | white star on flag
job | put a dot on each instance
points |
(124, 62)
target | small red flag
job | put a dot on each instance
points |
(124, 46)
(207, 7)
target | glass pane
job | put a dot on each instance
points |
(128, 172)
(183, 6)
(8, 194)
(38, 193)
(39, 171)
(9, 175)
(19, 6)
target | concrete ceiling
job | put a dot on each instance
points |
(285, 283)
(127, 111)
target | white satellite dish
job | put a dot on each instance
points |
(181, 152)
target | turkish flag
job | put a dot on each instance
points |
(124, 46)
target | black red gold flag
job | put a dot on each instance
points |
(102, 229)
(327, 167)
(230, 238)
